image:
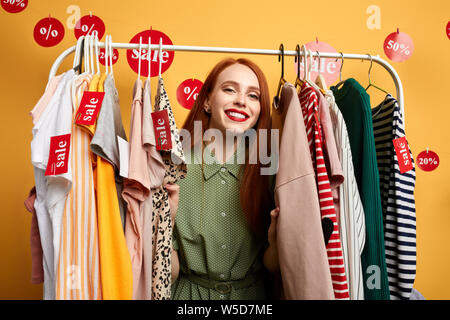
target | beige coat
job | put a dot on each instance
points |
(303, 260)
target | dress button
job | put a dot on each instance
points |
(224, 246)
(223, 169)
(223, 214)
(223, 181)
(222, 296)
(222, 276)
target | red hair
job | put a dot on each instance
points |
(255, 197)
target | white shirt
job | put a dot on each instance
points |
(351, 219)
(50, 191)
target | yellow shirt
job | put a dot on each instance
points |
(115, 260)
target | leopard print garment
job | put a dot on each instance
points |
(161, 218)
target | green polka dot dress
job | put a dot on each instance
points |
(212, 236)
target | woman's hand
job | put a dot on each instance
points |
(272, 233)
(174, 194)
(271, 253)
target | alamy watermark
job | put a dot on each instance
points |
(374, 280)
(245, 142)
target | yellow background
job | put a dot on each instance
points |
(24, 68)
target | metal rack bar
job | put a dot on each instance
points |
(376, 59)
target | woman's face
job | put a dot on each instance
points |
(234, 102)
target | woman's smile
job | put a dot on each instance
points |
(236, 115)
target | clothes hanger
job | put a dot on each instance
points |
(298, 82)
(149, 58)
(106, 55)
(76, 54)
(110, 54)
(313, 84)
(282, 80)
(91, 56)
(320, 80)
(375, 86)
(340, 72)
(86, 54)
(160, 56)
(149, 55)
(370, 82)
(308, 67)
(310, 63)
(77, 58)
(96, 54)
(140, 52)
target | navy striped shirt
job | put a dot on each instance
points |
(397, 197)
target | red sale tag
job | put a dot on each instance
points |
(428, 160)
(403, 156)
(166, 56)
(89, 25)
(398, 46)
(48, 32)
(447, 30)
(58, 158)
(89, 107)
(161, 126)
(14, 6)
(102, 57)
(187, 92)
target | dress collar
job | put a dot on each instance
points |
(213, 167)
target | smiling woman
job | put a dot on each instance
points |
(224, 233)
(234, 104)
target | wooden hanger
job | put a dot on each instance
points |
(320, 80)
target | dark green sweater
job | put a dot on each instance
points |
(354, 103)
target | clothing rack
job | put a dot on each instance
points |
(130, 46)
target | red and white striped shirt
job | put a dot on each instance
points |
(310, 108)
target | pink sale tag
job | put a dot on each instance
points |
(102, 57)
(166, 56)
(398, 46)
(89, 25)
(187, 92)
(14, 6)
(329, 67)
(427, 160)
(48, 32)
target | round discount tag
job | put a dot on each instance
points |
(102, 57)
(14, 6)
(447, 31)
(329, 67)
(187, 92)
(427, 160)
(398, 46)
(91, 25)
(48, 32)
(166, 56)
